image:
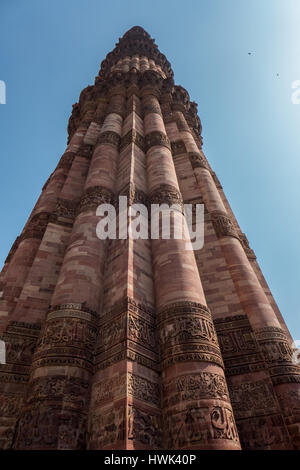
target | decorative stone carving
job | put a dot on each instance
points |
(86, 151)
(19, 350)
(183, 308)
(274, 345)
(156, 138)
(134, 195)
(20, 341)
(108, 390)
(223, 424)
(178, 147)
(109, 137)
(69, 390)
(67, 337)
(166, 194)
(135, 42)
(187, 329)
(107, 428)
(151, 82)
(198, 161)
(74, 309)
(187, 333)
(181, 99)
(128, 304)
(36, 227)
(93, 197)
(112, 333)
(223, 225)
(143, 389)
(65, 208)
(239, 346)
(142, 332)
(263, 433)
(253, 398)
(132, 137)
(199, 425)
(144, 428)
(57, 428)
(198, 386)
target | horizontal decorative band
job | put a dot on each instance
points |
(270, 333)
(58, 387)
(66, 160)
(86, 151)
(134, 195)
(274, 345)
(93, 197)
(156, 138)
(166, 194)
(178, 147)
(132, 137)
(286, 379)
(183, 308)
(67, 336)
(62, 360)
(74, 306)
(65, 208)
(194, 386)
(36, 226)
(223, 225)
(192, 357)
(109, 137)
(24, 329)
(198, 161)
(287, 373)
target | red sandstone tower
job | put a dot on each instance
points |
(139, 344)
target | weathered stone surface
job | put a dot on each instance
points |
(139, 343)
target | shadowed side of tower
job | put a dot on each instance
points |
(139, 343)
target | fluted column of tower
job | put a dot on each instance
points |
(46, 235)
(125, 407)
(70, 330)
(138, 342)
(189, 350)
(272, 340)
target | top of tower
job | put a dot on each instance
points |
(136, 31)
(136, 42)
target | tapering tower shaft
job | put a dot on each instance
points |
(140, 343)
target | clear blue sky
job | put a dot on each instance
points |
(51, 50)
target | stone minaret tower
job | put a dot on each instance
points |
(139, 344)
